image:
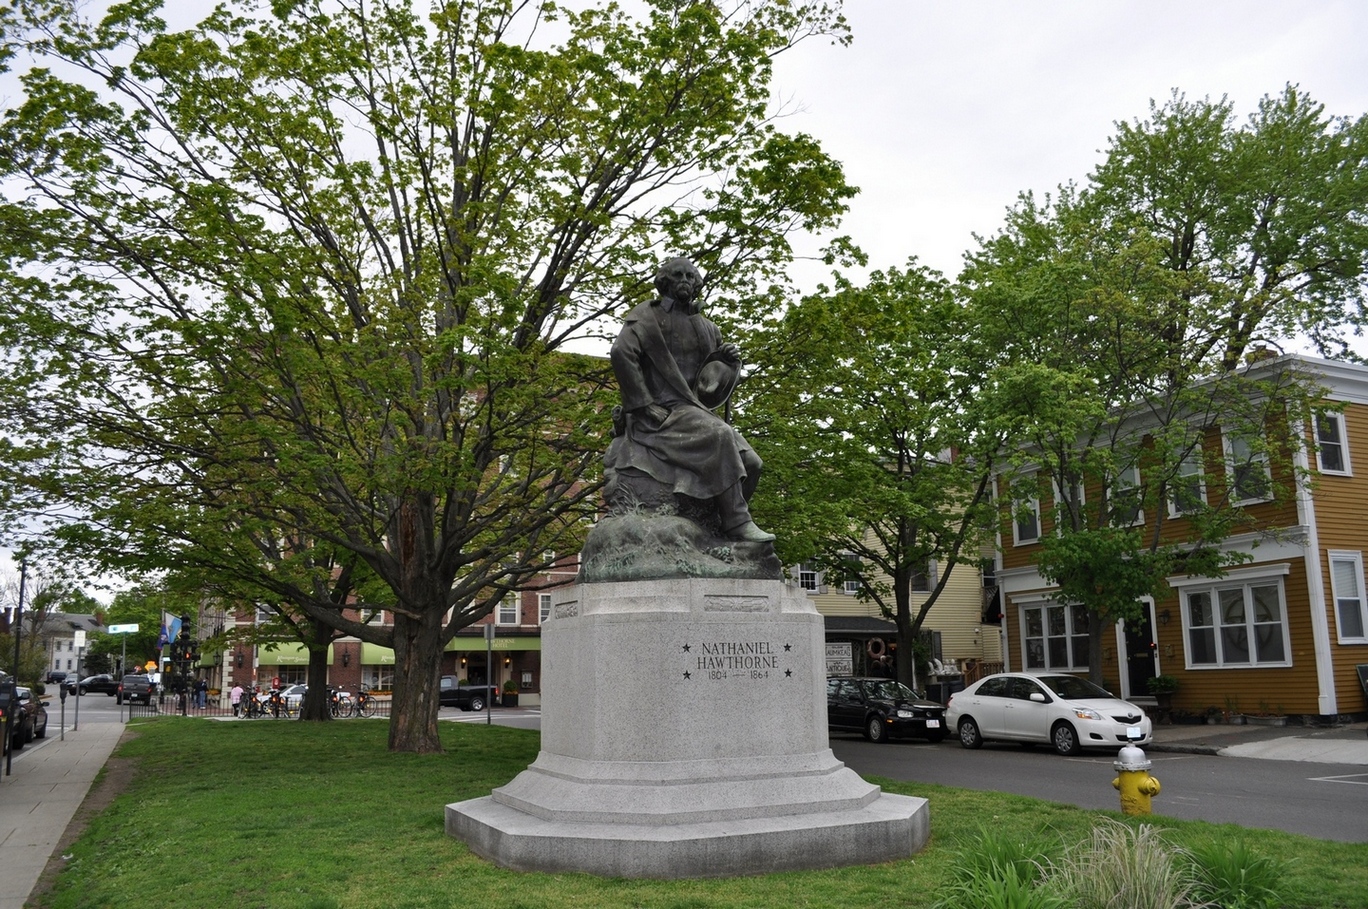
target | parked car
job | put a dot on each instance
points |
(881, 709)
(55, 676)
(466, 697)
(100, 684)
(294, 695)
(1065, 711)
(28, 720)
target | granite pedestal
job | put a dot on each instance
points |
(684, 735)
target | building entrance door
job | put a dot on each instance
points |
(1138, 666)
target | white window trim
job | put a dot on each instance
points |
(1117, 486)
(1242, 577)
(543, 608)
(1343, 555)
(1195, 457)
(1342, 430)
(1033, 504)
(1044, 604)
(1260, 458)
(499, 612)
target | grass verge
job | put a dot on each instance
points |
(321, 816)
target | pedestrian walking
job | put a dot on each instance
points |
(235, 698)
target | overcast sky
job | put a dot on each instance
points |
(942, 111)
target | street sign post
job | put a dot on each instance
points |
(123, 655)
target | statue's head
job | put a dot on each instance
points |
(679, 280)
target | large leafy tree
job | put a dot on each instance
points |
(1125, 313)
(297, 280)
(874, 419)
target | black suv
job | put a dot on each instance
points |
(882, 709)
(102, 684)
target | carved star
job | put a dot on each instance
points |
(788, 647)
(788, 672)
(687, 675)
(686, 648)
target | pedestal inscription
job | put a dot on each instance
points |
(680, 739)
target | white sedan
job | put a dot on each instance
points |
(1065, 711)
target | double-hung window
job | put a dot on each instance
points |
(809, 578)
(1240, 620)
(1026, 514)
(543, 607)
(508, 611)
(1125, 495)
(1332, 447)
(924, 577)
(1346, 584)
(1187, 492)
(1055, 637)
(1247, 471)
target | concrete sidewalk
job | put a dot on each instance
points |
(49, 778)
(1347, 744)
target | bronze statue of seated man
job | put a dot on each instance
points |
(674, 370)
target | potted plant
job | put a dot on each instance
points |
(1163, 687)
(510, 693)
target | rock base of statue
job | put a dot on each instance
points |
(651, 533)
(684, 736)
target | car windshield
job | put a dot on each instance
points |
(889, 690)
(1072, 687)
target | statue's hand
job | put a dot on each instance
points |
(730, 353)
(655, 413)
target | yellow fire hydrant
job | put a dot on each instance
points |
(1133, 781)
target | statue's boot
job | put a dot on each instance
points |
(736, 518)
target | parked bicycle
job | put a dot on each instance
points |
(339, 703)
(365, 704)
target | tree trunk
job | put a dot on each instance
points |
(907, 637)
(417, 683)
(315, 706)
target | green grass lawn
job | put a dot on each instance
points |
(321, 816)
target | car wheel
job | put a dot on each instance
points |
(1065, 739)
(874, 730)
(477, 704)
(81, 691)
(969, 734)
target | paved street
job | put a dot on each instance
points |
(1327, 801)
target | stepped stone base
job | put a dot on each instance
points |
(684, 736)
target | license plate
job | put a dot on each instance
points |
(933, 724)
(1133, 734)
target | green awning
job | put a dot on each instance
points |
(286, 654)
(375, 655)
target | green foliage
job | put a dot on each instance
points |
(1232, 875)
(1122, 867)
(1134, 319)
(1008, 887)
(1162, 684)
(866, 405)
(284, 295)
